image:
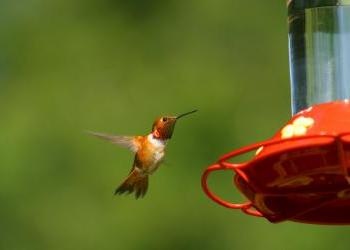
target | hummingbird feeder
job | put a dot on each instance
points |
(302, 173)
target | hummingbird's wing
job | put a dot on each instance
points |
(130, 142)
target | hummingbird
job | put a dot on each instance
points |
(149, 153)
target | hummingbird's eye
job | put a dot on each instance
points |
(164, 119)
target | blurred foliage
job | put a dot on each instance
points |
(113, 66)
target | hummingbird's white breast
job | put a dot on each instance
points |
(157, 152)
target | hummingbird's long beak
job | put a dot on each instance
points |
(184, 114)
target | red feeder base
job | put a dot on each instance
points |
(301, 174)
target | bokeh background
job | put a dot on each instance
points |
(114, 65)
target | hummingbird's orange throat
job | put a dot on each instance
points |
(156, 134)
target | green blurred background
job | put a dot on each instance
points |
(113, 66)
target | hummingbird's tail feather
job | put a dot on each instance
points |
(135, 182)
